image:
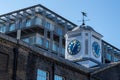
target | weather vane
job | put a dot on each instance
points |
(84, 15)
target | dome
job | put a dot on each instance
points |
(83, 27)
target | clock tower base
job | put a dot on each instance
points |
(88, 63)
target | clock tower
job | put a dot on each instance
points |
(83, 46)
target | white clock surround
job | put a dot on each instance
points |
(86, 36)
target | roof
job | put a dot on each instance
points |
(83, 27)
(37, 9)
(104, 67)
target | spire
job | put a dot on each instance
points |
(84, 15)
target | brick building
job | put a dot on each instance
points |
(32, 47)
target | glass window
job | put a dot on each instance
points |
(2, 29)
(20, 24)
(47, 43)
(108, 57)
(59, 30)
(39, 40)
(63, 50)
(28, 23)
(116, 59)
(56, 77)
(29, 40)
(51, 27)
(47, 25)
(86, 47)
(26, 40)
(38, 21)
(55, 47)
(32, 39)
(42, 75)
(12, 27)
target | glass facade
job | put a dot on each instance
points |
(25, 22)
(42, 75)
(12, 27)
(56, 77)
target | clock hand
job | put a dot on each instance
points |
(73, 46)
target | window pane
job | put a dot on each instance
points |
(39, 40)
(47, 25)
(20, 25)
(42, 75)
(56, 77)
(28, 23)
(108, 56)
(47, 44)
(26, 40)
(59, 31)
(12, 27)
(116, 59)
(38, 21)
(51, 27)
(32, 39)
(2, 29)
(63, 50)
(55, 47)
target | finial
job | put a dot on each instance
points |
(84, 15)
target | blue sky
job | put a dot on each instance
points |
(104, 15)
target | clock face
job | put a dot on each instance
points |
(96, 49)
(74, 47)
